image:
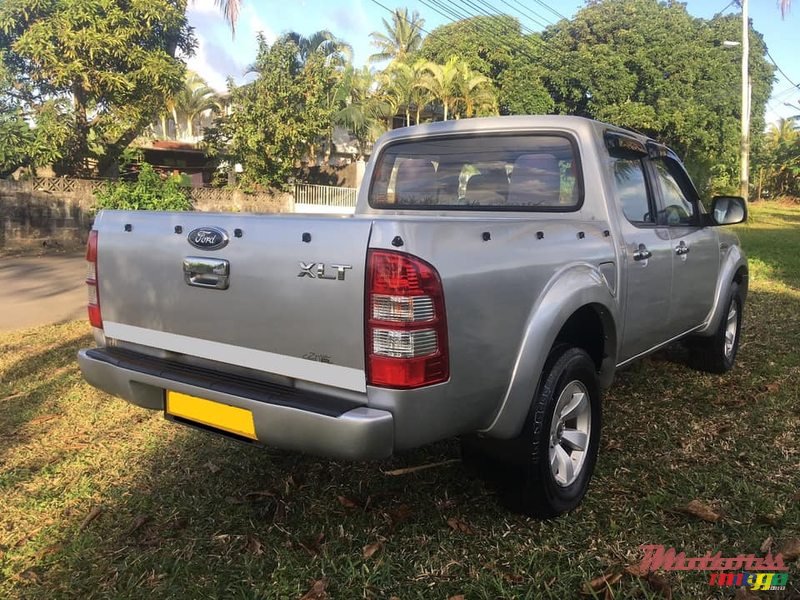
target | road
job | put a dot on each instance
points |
(39, 290)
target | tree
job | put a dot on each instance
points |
(230, 10)
(334, 50)
(103, 67)
(652, 67)
(496, 47)
(193, 100)
(443, 83)
(364, 113)
(778, 161)
(400, 38)
(476, 94)
(275, 118)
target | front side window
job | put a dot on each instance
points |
(677, 207)
(631, 188)
(488, 172)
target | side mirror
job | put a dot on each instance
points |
(728, 210)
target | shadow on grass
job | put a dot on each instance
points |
(202, 516)
(41, 378)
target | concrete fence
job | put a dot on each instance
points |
(57, 212)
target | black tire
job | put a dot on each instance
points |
(520, 468)
(709, 353)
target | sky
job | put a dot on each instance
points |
(220, 54)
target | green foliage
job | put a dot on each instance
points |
(275, 118)
(148, 192)
(776, 167)
(652, 67)
(15, 138)
(364, 113)
(400, 38)
(496, 48)
(91, 74)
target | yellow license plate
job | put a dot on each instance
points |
(232, 419)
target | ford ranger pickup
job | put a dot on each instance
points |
(494, 276)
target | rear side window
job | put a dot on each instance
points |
(501, 172)
(631, 184)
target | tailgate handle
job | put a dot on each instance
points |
(203, 272)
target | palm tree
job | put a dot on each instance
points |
(400, 37)
(190, 103)
(230, 10)
(442, 81)
(476, 94)
(323, 42)
(398, 83)
(364, 113)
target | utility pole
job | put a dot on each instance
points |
(744, 177)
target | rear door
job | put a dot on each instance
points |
(695, 248)
(284, 294)
(647, 254)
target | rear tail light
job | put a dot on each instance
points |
(92, 281)
(406, 326)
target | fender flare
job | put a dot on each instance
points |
(731, 263)
(570, 289)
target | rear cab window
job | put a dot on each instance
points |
(531, 172)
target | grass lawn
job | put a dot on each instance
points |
(102, 499)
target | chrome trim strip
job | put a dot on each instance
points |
(260, 360)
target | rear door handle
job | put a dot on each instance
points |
(213, 273)
(682, 249)
(642, 253)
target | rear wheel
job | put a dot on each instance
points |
(717, 353)
(546, 471)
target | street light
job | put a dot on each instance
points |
(744, 142)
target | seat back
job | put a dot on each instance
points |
(535, 181)
(487, 189)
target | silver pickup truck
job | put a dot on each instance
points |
(494, 276)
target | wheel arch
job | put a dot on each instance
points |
(734, 269)
(578, 308)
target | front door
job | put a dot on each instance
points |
(648, 259)
(695, 249)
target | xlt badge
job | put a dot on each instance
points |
(318, 271)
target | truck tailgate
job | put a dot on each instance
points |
(293, 303)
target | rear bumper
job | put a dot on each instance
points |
(353, 433)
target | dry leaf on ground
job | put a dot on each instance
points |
(254, 546)
(766, 545)
(371, 549)
(348, 502)
(600, 583)
(93, 514)
(701, 510)
(459, 525)
(317, 591)
(790, 549)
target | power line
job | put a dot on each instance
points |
(781, 71)
(491, 19)
(409, 21)
(446, 10)
(552, 10)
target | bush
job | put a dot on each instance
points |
(148, 192)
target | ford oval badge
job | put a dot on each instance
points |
(208, 238)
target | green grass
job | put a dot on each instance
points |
(188, 515)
